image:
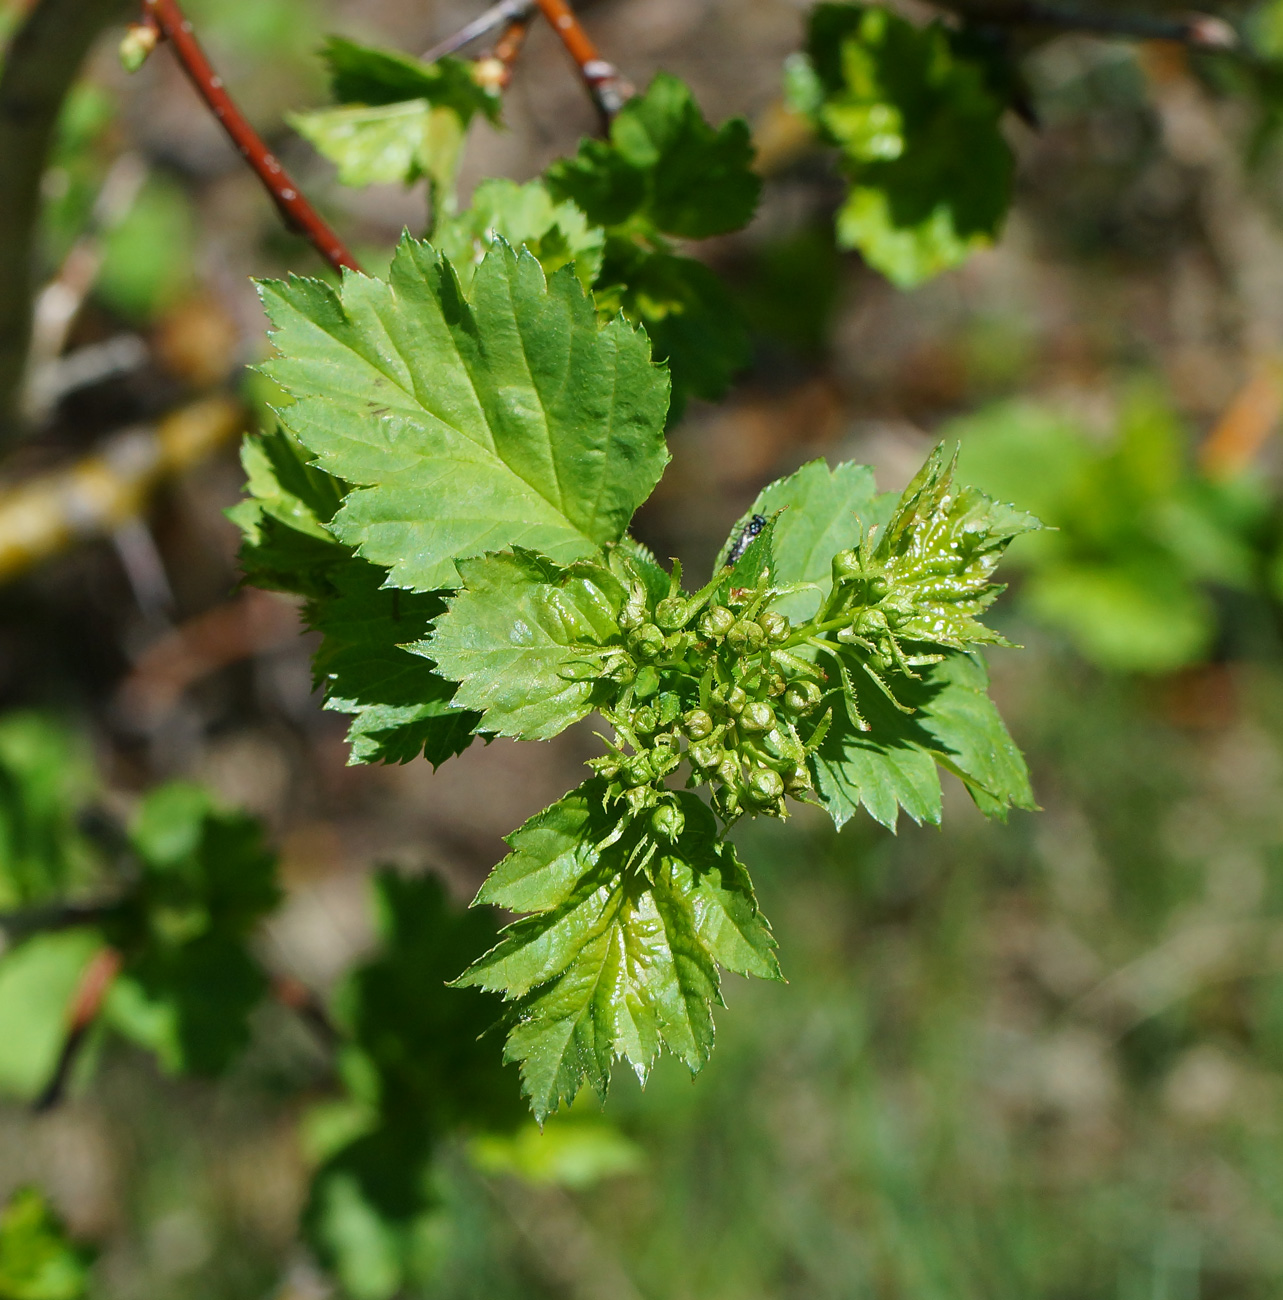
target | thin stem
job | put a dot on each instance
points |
(296, 211)
(506, 11)
(40, 64)
(608, 88)
(1199, 30)
(95, 984)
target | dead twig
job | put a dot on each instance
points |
(506, 11)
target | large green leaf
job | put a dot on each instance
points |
(620, 958)
(471, 423)
(515, 638)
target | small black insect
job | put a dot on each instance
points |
(741, 543)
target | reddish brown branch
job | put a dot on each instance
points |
(609, 89)
(95, 983)
(297, 212)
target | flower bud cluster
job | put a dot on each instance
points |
(718, 686)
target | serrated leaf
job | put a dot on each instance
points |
(515, 635)
(918, 123)
(940, 550)
(892, 765)
(824, 511)
(362, 74)
(37, 1260)
(619, 961)
(888, 767)
(666, 165)
(402, 707)
(503, 418)
(754, 555)
(525, 216)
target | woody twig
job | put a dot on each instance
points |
(166, 19)
(609, 89)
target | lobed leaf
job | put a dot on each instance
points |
(616, 960)
(506, 417)
(37, 1259)
(514, 639)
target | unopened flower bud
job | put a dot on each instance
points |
(668, 821)
(765, 785)
(802, 697)
(717, 620)
(638, 770)
(798, 781)
(728, 770)
(706, 755)
(647, 642)
(847, 566)
(698, 724)
(775, 626)
(745, 635)
(672, 613)
(757, 716)
(735, 699)
(645, 719)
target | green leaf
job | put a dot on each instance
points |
(361, 74)
(402, 707)
(885, 768)
(425, 1072)
(46, 779)
(286, 545)
(824, 511)
(515, 638)
(38, 979)
(189, 981)
(692, 320)
(892, 764)
(918, 125)
(401, 119)
(37, 1261)
(665, 165)
(940, 551)
(525, 216)
(616, 961)
(470, 424)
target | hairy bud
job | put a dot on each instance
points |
(647, 642)
(638, 770)
(745, 635)
(645, 719)
(698, 724)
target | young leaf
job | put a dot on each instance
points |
(523, 215)
(616, 960)
(666, 165)
(918, 126)
(515, 639)
(402, 707)
(940, 551)
(824, 511)
(401, 119)
(37, 1261)
(504, 418)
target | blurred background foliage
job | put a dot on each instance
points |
(1040, 1060)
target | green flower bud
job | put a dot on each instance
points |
(698, 724)
(645, 719)
(668, 821)
(673, 613)
(734, 699)
(878, 588)
(717, 620)
(777, 685)
(802, 697)
(764, 785)
(775, 626)
(745, 636)
(647, 642)
(632, 616)
(638, 770)
(757, 716)
(798, 781)
(728, 770)
(847, 566)
(706, 755)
